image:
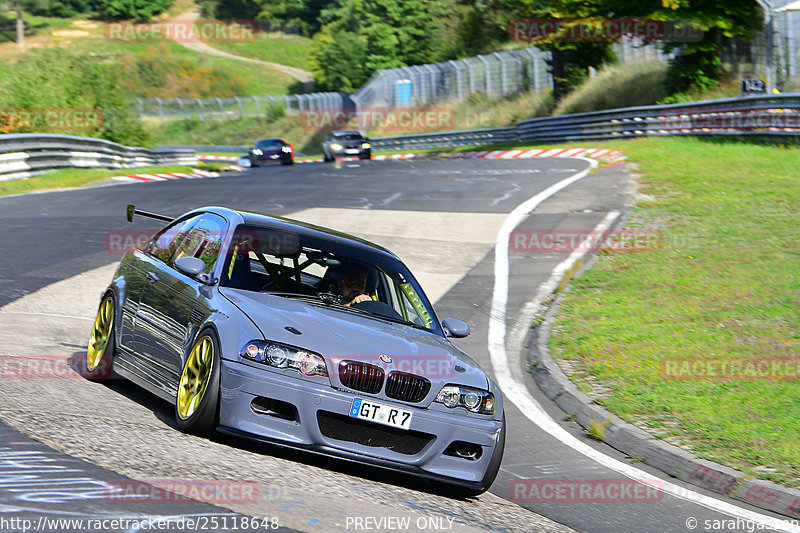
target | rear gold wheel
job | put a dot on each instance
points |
(100, 352)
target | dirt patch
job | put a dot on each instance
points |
(70, 33)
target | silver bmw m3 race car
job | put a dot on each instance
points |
(300, 336)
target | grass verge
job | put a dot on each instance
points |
(724, 287)
(71, 178)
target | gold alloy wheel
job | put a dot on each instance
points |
(101, 333)
(195, 377)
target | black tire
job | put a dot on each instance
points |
(325, 158)
(288, 162)
(365, 157)
(202, 420)
(488, 477)
(103, 368)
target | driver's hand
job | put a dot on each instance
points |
(360, 298)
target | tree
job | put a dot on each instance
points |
(389, 34)
(570, 59)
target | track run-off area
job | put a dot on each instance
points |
(65, 440)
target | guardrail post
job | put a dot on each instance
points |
(258, 106)
(180, 106)
(488, 73)
(471, 70)
(503, 74)
(160, 109)
(141, 107)
(239, 103)
(433, 72)
(200, 110)
(219, 104)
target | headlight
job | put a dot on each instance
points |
(257, 152)
(366, 146)
(336, 146)
(477, 401)
(282, 356)
(286, 149)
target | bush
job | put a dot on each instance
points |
(157, 73)
(54, 79)
(131, 9)
(58, 8)
(622, 85)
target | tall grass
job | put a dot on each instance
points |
(621, 85)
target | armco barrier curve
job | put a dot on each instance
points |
(775, 116)
(25, 154)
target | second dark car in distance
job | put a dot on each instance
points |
(271, 151)
(346, 144)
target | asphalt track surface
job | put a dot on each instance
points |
(55, 236)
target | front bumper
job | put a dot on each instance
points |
(315, 401)
(270, 158)
(351, 152)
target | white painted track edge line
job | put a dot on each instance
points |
(514, 389)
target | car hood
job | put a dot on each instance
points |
(340, 335)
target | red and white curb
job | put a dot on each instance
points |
(197, 174)
(218, 157)
(610, 156)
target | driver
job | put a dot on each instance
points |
(352, 285)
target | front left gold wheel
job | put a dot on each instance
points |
(100, 351)
(198, 389)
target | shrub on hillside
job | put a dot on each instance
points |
(58, 8)
(620, 85)
(131, 9)
(71, 86)
(157, 73)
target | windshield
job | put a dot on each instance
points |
(269, 145)
(348, 278)
(348, 137)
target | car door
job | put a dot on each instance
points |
(173, 304)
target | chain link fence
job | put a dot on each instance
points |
(266, 107)
(495, 75)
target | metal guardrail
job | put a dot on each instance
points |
(754, 116)
(26, 154)
(449, 139)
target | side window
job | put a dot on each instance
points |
(168, 239)
(202, 238)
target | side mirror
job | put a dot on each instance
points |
(455, 328)
(191, 266)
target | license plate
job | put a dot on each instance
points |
(380, 413)
(351, 151)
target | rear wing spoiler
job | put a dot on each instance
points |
(133, 211)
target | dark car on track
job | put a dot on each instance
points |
(346, 144)
(300, 336)
(271, 151)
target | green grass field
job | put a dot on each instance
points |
(725, 286)
(281, 48)
(82, 35)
